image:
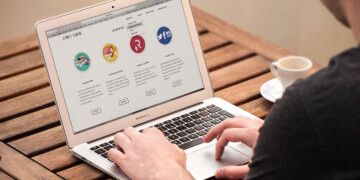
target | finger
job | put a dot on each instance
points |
(153, 130)
(131, 132)
(122, 141)
(247, 136)
(217, 130)
(232, 172)
(116, 156)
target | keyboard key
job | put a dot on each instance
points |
(170, 126)
(177, 118)
(184, 139)
(173, 137)
(210, 106)
(107, 147)
(100, 151)
(189, 125)
(185, 115)
(225, 113)
(198, 121)
(162, 128)
(158, 125)
(193, 136)
(181, 134)
(179, 123)
(201, 133)
(191, 144)
(195, 116)
(216, 121)
(94, 148)
(172, 131)
(204, 113)
(215, 115)
(176, 142)
(222, 118)
(111, 142)
(186, 120)
(193, 112)
(167, 122)
(104, 144)
(207, 124)
(207, 130)
(215, 109)
(202, 109)
(166, 134)
(104, 155)
(198, 128)
(190, 131)
(181, 128)
(207, 118)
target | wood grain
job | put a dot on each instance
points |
(16, 46)
(4, 176)
(29, 122)
(23, 83)
(41, 141)
(82, 171)
(244, 91)
(211, 40)
(26, 102)
(57, 159)
(20, 167)
(225, 55)
(259, 107)
(239, 71)
(20, 63)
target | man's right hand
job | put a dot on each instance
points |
(236, 129)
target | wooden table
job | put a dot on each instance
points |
(32, 142)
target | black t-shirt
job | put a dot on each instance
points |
(313, 131)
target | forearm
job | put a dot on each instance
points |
(175, 172)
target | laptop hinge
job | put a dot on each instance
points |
(95, 140)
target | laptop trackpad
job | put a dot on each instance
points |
(202, 163)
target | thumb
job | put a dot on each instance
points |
(232, 172)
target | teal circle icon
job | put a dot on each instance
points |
(82, 62)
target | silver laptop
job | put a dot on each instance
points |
(134, 63)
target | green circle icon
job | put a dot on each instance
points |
(82, 62)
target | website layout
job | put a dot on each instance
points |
(124, 62)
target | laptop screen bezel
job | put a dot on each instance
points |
(133, 119)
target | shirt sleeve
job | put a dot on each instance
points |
(288, 146)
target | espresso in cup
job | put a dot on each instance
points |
(290, 68)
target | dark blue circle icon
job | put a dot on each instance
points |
(164, 35)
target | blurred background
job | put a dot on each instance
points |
(302, 26)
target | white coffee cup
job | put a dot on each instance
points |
(290, 68)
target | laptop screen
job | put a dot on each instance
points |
(124, 61)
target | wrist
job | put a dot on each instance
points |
(174, 171)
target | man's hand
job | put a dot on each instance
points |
(236, 129)
(148, 155)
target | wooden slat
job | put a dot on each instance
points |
(244, 91)
(225, 55)
(20, 167)
(29, 122)
(211, 40)
(23, 83)
(259, 107)
(40, 141)
(238, 72)
(18, 45)
(200, 29)
(82, 171)
(25, 102)
(20, 63)
(57, 159)
(4, 176)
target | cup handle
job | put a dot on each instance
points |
(273, 69)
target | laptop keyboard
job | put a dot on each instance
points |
(185, 131)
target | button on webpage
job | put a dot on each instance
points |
(96, 111)
(177, 83)
(123, 101)
(150, 92)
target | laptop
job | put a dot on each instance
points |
(134, 63)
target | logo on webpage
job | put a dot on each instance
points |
(164, 35)
(82, 62)
(137, 44)
(110, 52)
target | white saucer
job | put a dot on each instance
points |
(272, 90)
